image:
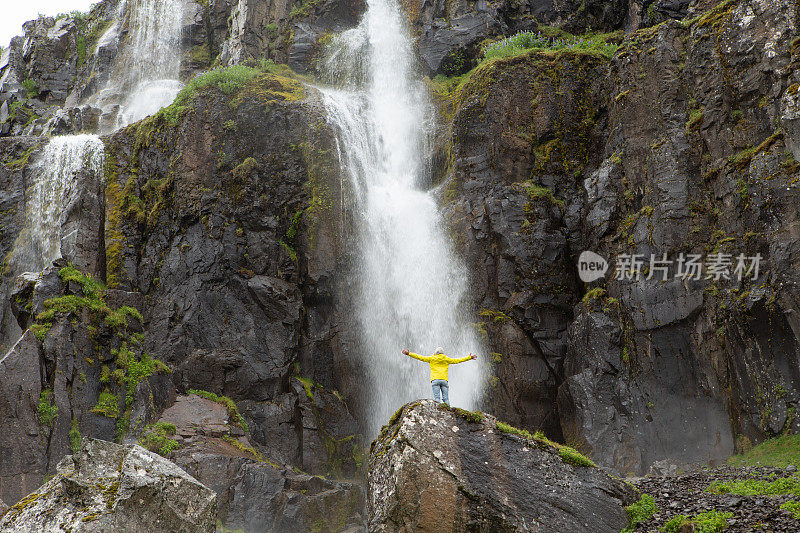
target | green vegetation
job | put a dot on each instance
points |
(778, 452)
(537, 192)
(793, 507)
(31, 88)
(233, 411)
(574, 457)
(107, 404)
(257, 455)
(640, 511)
(265, 81)
(594, 294)
(758, 487)
(308, 385)
(46, 411)
(471, 416)
(708, 522)
(524, 41)
(158, 438)
(74, 437)
(22, 161)
(695, 121)
(92, 299)
(568, 455)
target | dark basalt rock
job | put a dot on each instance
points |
(432, 468)
(656, 150)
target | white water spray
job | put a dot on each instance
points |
(412, 288)
(144, 79)
(55, 185)
(146, 71)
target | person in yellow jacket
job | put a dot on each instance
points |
(439, 363)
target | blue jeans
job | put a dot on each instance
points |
(440, 390)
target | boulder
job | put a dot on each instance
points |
(109, 487)
(434, 469)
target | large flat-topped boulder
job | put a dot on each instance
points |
(439, 469)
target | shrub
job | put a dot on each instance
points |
(708, 522)
(640, 511)
(46, 411)
(526, 40)
(31, 88)
(158, 438)
(107, 404)
(74, 437)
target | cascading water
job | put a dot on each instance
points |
(146, 71)
(412, 289)
(144, 79)
(55, 182)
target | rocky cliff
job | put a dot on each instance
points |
(680, 142)
(216, 250)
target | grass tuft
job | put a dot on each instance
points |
(233, 411)
(779, 452)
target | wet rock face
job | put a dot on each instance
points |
(255, 495)
(659, 150)
(241, 242)
(260, 490)
(284, 31)
(431, 468)
(111, 487)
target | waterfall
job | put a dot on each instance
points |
(146, 71)
(54, 186)
(144, 79)
(412, 289)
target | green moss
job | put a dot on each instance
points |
(574, 457)
(743, 158)
(640, 512)
(74, 437)
(471, 416)
(568, 455)
(233, 411)
(200, 55)
(41, 330)
(133, 368)
(695, 121)
(46, 411)
(707, 522)
(107, 404)
(255, 454)
(777, 452)
(244, 169)
(119, 318)
(594, 294)
(498, 317)
(536, 192)
(31, 88)
(793, 507)
(15, 510)
(308, 385)
(758, 487)
(21, 162)
(158, 438)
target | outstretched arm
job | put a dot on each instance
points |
(425, 358)
(462, 359)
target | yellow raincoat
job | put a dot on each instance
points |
(439, 363)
